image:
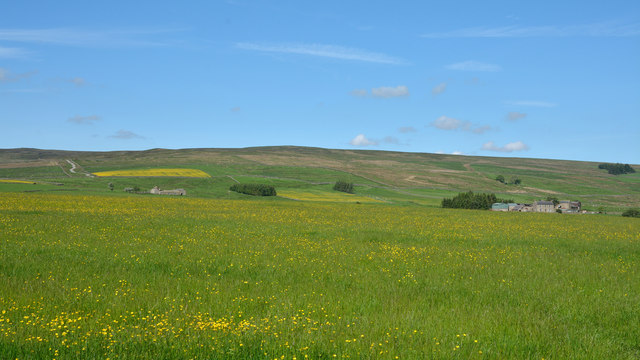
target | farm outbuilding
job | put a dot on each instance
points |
(156, 190)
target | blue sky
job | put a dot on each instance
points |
(541, 79)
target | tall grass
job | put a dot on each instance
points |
(151, 277)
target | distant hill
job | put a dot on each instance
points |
(398, 177)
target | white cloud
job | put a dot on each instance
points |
(471, 65)
(407, 129)
(84, 119)
(359, 93)
(515, 116)
(126, 135)
(481, 129)
(391, 140)
(604, 29)
(533, 103)
(389, 92)
(9, 53)
(457, 153)
(321, 50)
(439, 89)
(361, 140)
(448, 123)
(510, 147)
(89, 38)
(78, 81)
(7, 76)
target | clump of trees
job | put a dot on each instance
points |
(513, 180)
(344, 187)
(470, 200)
(553, 199)
(254, 189)
(617, 169)
(632, 213)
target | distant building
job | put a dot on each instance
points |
(568, 206)
(156, 190)
(500, 207)
(544, 206)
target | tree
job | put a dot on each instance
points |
(343, 186)
(500, 178)
(254, 189)
(469, 200)
(632, 213)
(617, 169)
(553, 199)
(110, 186)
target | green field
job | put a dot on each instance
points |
(150, 277)
(393, 177)
(88, 270)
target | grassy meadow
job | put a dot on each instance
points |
(94, 275)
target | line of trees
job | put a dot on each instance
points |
(470, 200)
(344, 186)
(617, 169)
(632, 213)
(254, 189)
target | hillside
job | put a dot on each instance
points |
(392, 177)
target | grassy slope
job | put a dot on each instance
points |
(399, 178)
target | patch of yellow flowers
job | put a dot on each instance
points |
(155, 173)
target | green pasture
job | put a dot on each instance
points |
(149, 277)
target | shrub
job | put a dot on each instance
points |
(254, 189)
(617, 169)
(500, 178)
(469, 200)
(632, 213)
(344, 187)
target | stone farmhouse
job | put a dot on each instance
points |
(564, 206)
(156, 190)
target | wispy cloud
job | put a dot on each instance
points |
(382, 92)
(126, 135)
(481, 129)
(391, 140)
(407, 129)
(533, 103)
(236, 109)
(327, 51)
(602, 29)
(7, 76)
(359, 93)
(12, 53)
(510, 147)
(390, 92)
(89, 38)
(449, 123)
(78, 81)
(471, 65)
(84, 119)
(361, 140)
(439, 89)
(515, 116)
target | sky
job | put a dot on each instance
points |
(534, 79)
